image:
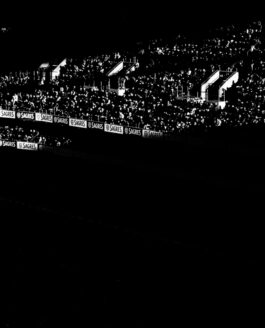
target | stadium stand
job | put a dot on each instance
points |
(161, 88)
(23, 138)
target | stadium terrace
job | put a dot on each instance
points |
(167, 87)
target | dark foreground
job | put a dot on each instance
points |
(130, 234)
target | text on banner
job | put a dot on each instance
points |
(112, 128)
(152, 134)
(25, 116)
(7, 113)
(40, 117)
(78, 123)
(27, 145)
(95, 125)
(133, 131)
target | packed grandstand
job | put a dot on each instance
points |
(163, 88)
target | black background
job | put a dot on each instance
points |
(125, 18)
(132, 233)
(135, 234)
(55, 28)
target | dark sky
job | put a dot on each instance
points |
(81, 22)
(134, 12)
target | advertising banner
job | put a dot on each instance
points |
(133, 131)
(26, 116)
(7, 113)
(152, 134)
(95, 125)
(8, 143)
(78, 123)
(112, 128)
(41, 117)
(27, 145)
(60, 120)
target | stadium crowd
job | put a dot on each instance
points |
(159, 96)
(19, 133)
(226, 46)
(246, 105)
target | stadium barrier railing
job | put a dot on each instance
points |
(23, 145)
(80, 123)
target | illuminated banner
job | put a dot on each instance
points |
(133, 131)
(9, 144)
(78, 123)
(112, 128)
(60, 120)
(25, 116)
(40, 117)
(27, 145)
(7, 113)
(95, 125)
(152, 134)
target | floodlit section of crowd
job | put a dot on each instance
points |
(155, 87)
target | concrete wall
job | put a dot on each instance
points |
(222, 104)
(232, 79)
(213, 78)
(44, 66)
(119, 92)
(56, 71)
(116, 69)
